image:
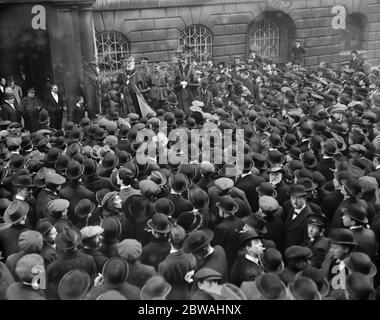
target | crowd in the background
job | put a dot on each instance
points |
(81, 217)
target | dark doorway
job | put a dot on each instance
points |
(34, 57)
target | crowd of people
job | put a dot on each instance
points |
(82, 217)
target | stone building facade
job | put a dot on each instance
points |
(110, 30)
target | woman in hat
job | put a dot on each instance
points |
(30, 107)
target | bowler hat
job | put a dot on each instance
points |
(298, 190)
(115, 272)
(318, 278)
(361, 262)
(197, 240)
(290, 140)
(198, 198)
(266, 189)
(179, 182)
(308, 159)
(304, 289)
(360, 287)
(271, 287)
(190, 221)
(260, 161)
(110, 161)
(17, 162)
(275, 157)
(308, 184)
(68, 239)
(155, 288)
(160, 223)
(271, 260)
(24, 181)
(342, 236)
(164, 205)
(247, 236)
(158, 178)
(353, 187)
(44, 227)
(227, 204)
(148, 188)
(43, 117)
(74, 285)
(306, 130)
(90, 167)
(74, 170)
(84, 207)
(62, 162)
(261, 123)
(330, 147)
(16, 211)
(112, 228)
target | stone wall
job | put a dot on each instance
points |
(153, 26)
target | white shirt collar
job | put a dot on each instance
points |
(211, 251)
(252, 259)
(124, 187)
(298, 211)
(19, 197)
(245, 174)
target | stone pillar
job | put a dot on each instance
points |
(87, 35)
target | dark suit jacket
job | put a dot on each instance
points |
(99, 258)
(139, 273)
(49, 254)
(69, 260)
(376, 174)
(174, 269)
(227, 236)
(320, 247)
(96, 183)
(43, 198)
(244, 270)
(9, 239)
(366, 240)
(330, 203)
(155, 252)
(295, 230)
(282, 193)
(249, 184)
(74, 192)
(180, 204)
(127, 290)
(55, 110)
(216, 261)
(326, 167)
(8, 113)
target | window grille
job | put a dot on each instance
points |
(199, 39)
(265, 39)
(112, 50)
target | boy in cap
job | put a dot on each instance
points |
(49, 249)
(91, 239)
(316, 241)
(58, 214)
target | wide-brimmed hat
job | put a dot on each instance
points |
(158, 178)
(155, 288)
(74, 285)
(68, 239)
(304, 289)
(227, 204)
(74, 170)
(197, 240)
(115, 271)
(318, 278)
(16, 211)
(271, 260)
(330, 147)
(307, 183)
(271, 287)
(110, 161)
(160, 223)
(361, 262)
(247, 236)
(342, 236)
(112, 228)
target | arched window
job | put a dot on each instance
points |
(199, 39)
(265, 39)
(113, 50)
(271, 35)
(353, 35)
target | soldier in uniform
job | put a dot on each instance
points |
(142, 74)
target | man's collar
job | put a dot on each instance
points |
(209, 253)
(252, 259)
(19, 197)
(122, 187)
(298, 211)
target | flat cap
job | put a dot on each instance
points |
(91, 231)
(298, 252)
(224, 183)
(58, 205)
(207, 273)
